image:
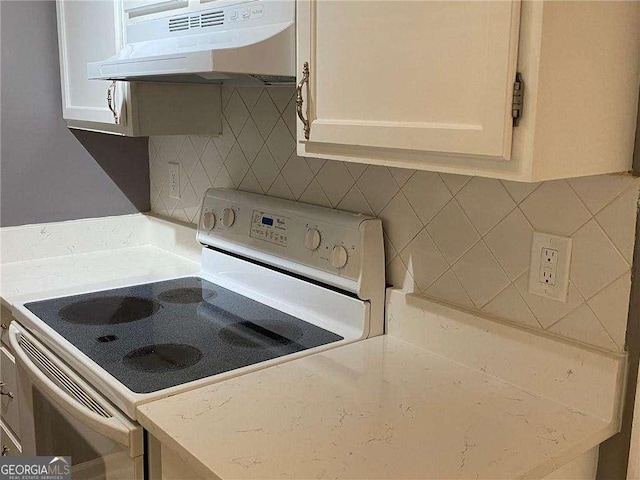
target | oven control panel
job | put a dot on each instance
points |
(269, 227)
(290, 235)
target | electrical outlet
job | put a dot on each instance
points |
(548, 266)
(549, 269)
(550, 256)
(174, 180)
(548, 277)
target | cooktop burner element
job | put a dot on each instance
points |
(163, 357)
(186, 295)
(186, 329)
(109, 310)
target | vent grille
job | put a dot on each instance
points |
(179, 23)
(211, 19)
(185, 22)
(71, 387)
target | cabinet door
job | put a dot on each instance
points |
(10, 399)
(88, 31)
(5, 320)
(9, 446)
(426, 76)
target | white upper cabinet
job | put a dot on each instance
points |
(416, 75)
(92, 30)
(430, 85)
(88, 31)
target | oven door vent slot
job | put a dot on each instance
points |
(61, 378)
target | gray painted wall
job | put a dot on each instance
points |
(48, 172)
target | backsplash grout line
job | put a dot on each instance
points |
(603, 327)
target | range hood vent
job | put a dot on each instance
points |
(250, 42)
(182, 23)
(212, 19)
(178, 24)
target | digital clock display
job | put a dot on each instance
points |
(269, 227)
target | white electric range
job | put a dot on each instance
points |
(279, 280)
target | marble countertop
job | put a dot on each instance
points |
(380, 408)
(65, 258)
(71, 274)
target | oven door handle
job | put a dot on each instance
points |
(113, 426)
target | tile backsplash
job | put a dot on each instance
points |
(461, 240)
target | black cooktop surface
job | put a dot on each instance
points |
(158, 335)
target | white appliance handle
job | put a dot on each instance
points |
(117, 427)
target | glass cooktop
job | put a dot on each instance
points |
(158, 335)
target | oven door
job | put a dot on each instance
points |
(62, 415)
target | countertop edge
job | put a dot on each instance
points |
(571, 453)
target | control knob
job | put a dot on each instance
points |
(209, 220)
(312, 239)
(228, 217)
(339, 256)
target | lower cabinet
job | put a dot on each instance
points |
(174, 468)
(583, 467)
(9, 413)
(165, 464)
(9, 401)
(9, 406)
(5, 320)
(8, 443)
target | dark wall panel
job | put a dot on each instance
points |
(48, 172)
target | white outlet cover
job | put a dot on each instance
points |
(174, 180)
(560, 244)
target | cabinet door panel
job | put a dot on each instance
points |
(9, 404)
(420, 75)
(9, 445)
(87, 31)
